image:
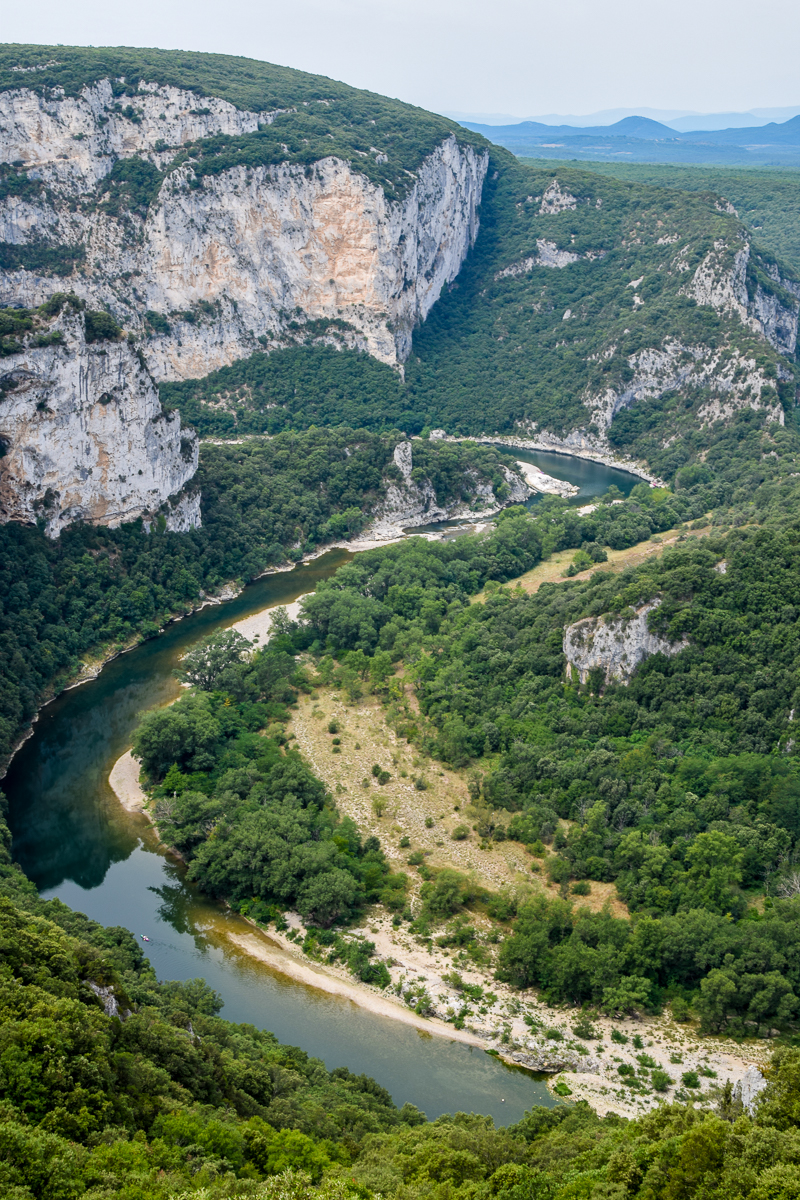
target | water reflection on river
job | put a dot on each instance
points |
(72, 838)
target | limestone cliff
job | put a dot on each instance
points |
(223, 262)
(739, 282)
(410, 502)
(107, 201)
(83, 435)
(615, 644)
(735, 380)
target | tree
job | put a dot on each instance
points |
(632, 992)
(714, 863)
(206, 662)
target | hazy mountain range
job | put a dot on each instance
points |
(681, 119)
(639, 138)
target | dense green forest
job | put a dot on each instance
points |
(534, 339)
(263, 504)
(767, 201)
(252, 821)
(681, 787)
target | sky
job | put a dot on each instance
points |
(487, 56)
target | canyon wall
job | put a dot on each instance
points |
(228, 261)
(83, 436)
(199, 271)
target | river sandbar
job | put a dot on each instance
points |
(274, 955)
(124, 783)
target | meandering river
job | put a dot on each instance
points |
(72, 838)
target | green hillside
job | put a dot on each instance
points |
(768, 202)
(526, 342)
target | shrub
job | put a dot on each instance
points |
(681, 1011)
(690, 1079)
(620, 1038)
(460, 833)
(101, 326)
(584, 1028)
(558, 869)
(660, 1080)
(581, 888)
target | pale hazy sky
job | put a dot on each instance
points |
(507, 56)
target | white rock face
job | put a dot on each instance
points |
(557, 199)
(411, 504)
(720, 282)
(615, 645)
(749, 1088)
(736, 379)
(241, 251)
(85, 437)
(548, 255)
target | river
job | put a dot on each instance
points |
(73, 839)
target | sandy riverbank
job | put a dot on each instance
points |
(124, 783)
(275, 953)
(257, 626)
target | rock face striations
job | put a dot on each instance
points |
(83, 435)
(212, 265)
(615, 645)
(104, 193)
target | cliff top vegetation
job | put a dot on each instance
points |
(384, 139)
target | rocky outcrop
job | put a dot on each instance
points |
(615, 644)
(227, 262)
(108, 999)
(413, 502)
(736, 379)
(556, 199)
(548, 255)
(84, 436)
(551, 1059)
(749, 1088)
(727, 279)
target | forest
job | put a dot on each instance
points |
(263, 504)
(767, 201)
(677, 787)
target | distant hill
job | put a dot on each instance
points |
(640, 139)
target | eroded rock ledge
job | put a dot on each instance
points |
(84, 437)
(615, 644)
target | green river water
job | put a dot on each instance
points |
(73, 839)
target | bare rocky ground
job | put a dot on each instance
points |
(515, 1024)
